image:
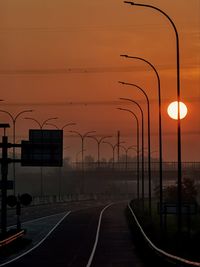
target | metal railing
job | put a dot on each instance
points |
(132, 166)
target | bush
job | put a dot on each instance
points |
(189, 191)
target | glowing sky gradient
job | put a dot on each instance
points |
(62, 58)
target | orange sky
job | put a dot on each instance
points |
(61, 58)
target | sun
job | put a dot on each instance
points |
(172, 110)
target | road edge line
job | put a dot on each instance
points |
(38, 244)
(97, 236)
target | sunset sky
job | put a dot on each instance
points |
(62, 59)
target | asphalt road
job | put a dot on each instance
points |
(115, 245)
(38, 211)
(93, 236)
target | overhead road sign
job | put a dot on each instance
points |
(44, 148)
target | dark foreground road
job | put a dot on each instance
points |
(115, 246)
(84, 239)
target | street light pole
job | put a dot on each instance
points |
(179, 187)
(126, 154)
(138, 149)
(113, 149)
(149, 139)
(98, 145)
(60, 168)
(160, 129)
(82, 136)
(142, 116)
(77, 154)
(14, 119)
(41, 125)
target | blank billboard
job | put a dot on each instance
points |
(44, 148)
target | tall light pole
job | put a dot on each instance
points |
(60, 168)
(98, 145)
(41, 125)
(82, 136)
(113, 148)
(159, 126)
(138, 149)
(77, 154)
(142, 116)
(179, 187)
(126, 154)
(14, 119)
(149, 134)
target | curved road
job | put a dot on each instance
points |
(115, 245)
(84, 239)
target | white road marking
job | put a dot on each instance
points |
(97, 236)
(160, 251)
(37, 219)
(38, 244)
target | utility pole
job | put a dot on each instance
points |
(118, 145)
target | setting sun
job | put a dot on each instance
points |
(172, 110)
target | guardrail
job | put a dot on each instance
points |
(168, 257)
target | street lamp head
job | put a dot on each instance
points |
(123, 55)
(68, 124)
(129, 2)
(125, 109)
(76, 132)
(90, 132)
(121, 82)
(51, 124)
(108, 136)
(123, 98)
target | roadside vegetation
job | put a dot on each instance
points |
(163, 229)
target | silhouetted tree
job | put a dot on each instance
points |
(189, 191)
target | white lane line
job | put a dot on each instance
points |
(45, 217)
(38, 244)
(37, 219)
(160, 251)
(97, 236)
